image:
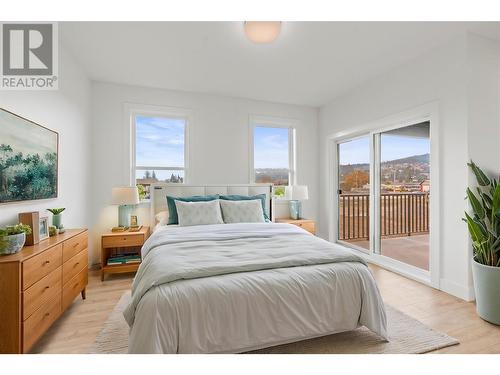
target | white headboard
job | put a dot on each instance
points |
(159, 192)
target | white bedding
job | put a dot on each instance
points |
(237, 287)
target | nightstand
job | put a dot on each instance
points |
(116, 243)
(306, 224)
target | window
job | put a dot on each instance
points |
(273, 155)
(159, 154)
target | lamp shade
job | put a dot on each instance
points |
(262, 31)
(299, 193)
(125, 195)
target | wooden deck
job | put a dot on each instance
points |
(413, 250)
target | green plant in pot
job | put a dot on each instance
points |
(484, 230)
(12, 238)
(56, 216)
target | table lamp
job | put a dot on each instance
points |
(126, 197)
(296, 194)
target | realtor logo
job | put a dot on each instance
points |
(29, 56)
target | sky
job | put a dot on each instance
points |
(159, 142)
(23, 136)
(270, 147)
(392, 147)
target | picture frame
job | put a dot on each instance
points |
(32, 150)
(33, 220)
(133, 220)
(43, 228)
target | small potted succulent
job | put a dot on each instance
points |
(12, 238)
(57, 216)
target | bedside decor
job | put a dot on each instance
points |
(127, 198)
(296, 194)
(32, 219)
(43, 228)
(28, 159)
(12, 238)
(56, 216)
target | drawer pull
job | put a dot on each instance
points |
(46, 262)
(75, 286)
(76, 244)
(47, 314)
(47, 287)
(76, 264)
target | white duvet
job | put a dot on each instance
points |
(236, 287)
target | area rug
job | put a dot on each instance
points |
(406, 336)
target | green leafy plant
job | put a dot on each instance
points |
(484, 222)
(11, 230)
(56, 211)
(142, 191)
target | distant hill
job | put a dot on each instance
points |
(424, 158)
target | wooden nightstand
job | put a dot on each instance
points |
(309, 225)
(113, 243)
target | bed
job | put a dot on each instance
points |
(232, 288)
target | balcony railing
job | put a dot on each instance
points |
(402, 214)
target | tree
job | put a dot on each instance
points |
(147, 175)
(354, 179)
(154, 176)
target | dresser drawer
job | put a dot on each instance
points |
(73, 266)
(41, 265)
(74, 245)
(40, 292)
(73, 287)
(40, 321)
(123, 241)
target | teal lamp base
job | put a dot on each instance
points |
(295, 209)
(124, 212)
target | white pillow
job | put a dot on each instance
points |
(198, 213)
(248, 211)
(162, 217)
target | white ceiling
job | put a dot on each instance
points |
(310, 63)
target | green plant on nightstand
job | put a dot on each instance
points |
(13, 237)
(56, 216)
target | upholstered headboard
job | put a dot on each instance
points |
(159, 192)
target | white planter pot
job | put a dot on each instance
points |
(487, 289)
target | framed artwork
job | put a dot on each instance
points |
(44, 228)
(133, 220)
(28, 159)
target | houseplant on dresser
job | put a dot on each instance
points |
(12, 238)
(484, 230)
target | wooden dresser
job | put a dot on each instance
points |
(37, 285)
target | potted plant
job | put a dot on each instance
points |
(484, 230)
(12, 238)
(56, 216)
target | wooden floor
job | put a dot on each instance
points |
(76, 330)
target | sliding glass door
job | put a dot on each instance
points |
(386, 173)
(404, 194)
(354, 192)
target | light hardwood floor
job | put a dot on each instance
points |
(77, 328)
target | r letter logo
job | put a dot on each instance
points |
(29, 56)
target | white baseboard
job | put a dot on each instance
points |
(457, 290)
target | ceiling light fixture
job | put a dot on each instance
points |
(262, 31)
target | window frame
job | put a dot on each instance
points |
(134, 110)
(274, 122)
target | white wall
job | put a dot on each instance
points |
(219, 143)
(66, 111)
(437, 76)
